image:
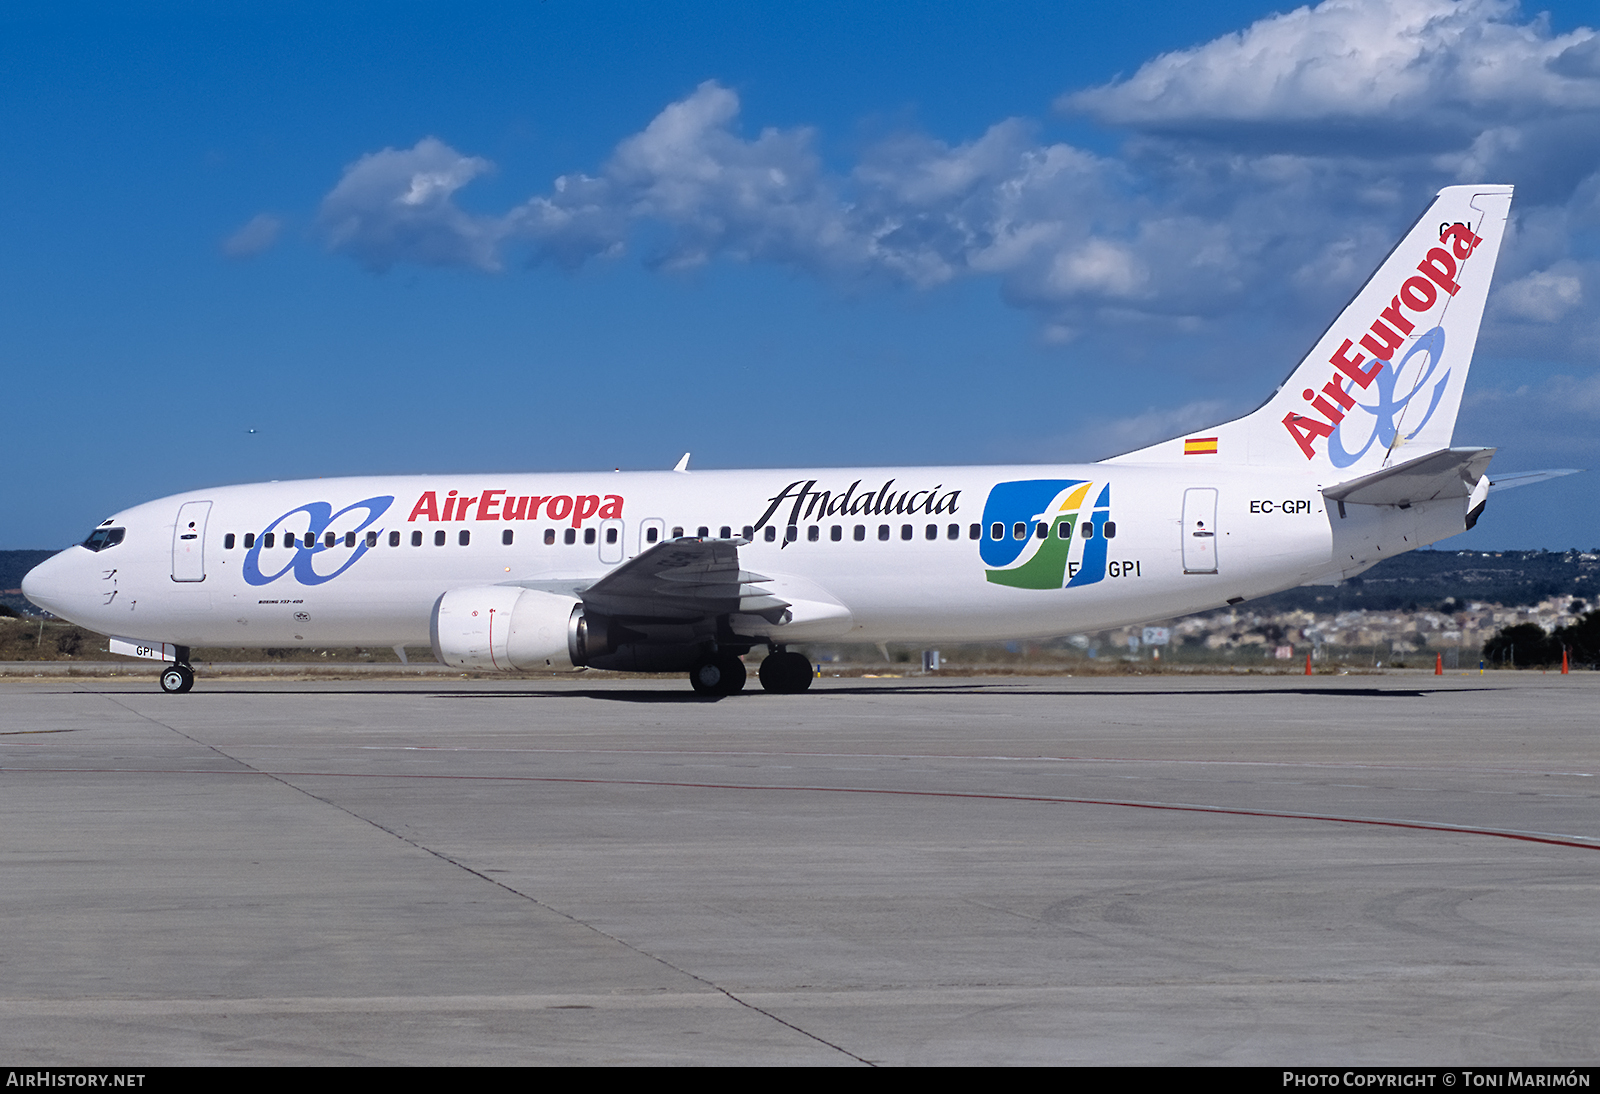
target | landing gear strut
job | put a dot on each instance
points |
(718, 674)
(177, 678)
(785, 673)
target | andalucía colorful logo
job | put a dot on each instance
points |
(1042, 533)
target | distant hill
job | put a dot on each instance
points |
(1424, 579)
(1418, 579)
(13, 564)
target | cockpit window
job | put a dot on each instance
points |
(101, 538)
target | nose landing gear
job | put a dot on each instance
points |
(177, 679)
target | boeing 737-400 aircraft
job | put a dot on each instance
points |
(1350, 461)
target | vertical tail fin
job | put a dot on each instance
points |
(1389, 372)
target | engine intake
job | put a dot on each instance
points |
(503, 628)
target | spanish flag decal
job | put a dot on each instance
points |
(1200, 446)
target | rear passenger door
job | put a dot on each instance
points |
(1200, 530)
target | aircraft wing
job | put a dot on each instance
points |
(1447, 473)
(683, 579)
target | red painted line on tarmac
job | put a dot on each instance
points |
(1218, 810)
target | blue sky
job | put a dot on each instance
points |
(448, 237)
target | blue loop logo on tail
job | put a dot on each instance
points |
(1046, 533)
(1389, 414)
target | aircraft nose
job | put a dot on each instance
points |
(51, 585)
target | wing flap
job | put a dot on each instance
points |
(1447, 473)
(683, 579)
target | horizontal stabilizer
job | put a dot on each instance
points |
(1448, 473)
(1528, 478)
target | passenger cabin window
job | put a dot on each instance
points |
(860, 532)
(438, 538)
(954, 532)
(1064, 530)
(677, 532)
(394, 539)
(883, 532)
(549, 536)
(416, 538)
(1109, 529)
(725, 532)
(975, 532)
(836, 533)
(906, 531)
(1019, 530)
(249, 540)
(1041, 530)
(1086, 529)
(651, 535)
(791, 533)
(464, 538)
(372, 539)
(227, 542)
(569, 537)
(506, 537)
(770, 533)
(813, 533)
(749, 532)
(932, 532)
(588, 535)
(329, 539)
(997, 530)
(611, 535)
(703, 532)
(350, 538)
(268, 539)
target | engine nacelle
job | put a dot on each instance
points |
(506, 629)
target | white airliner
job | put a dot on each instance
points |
(1349, 462)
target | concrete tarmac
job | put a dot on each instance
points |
(1399, 870)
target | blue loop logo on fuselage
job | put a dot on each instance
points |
(302, 563)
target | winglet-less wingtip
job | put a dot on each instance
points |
(683, 464)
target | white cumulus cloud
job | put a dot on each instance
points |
(257, 234)
(1394, 61)
(1544, 295)
(1264, 175)
(398, 205)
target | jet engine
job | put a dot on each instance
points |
(506, 629)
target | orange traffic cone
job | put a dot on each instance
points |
(1438, 664)
(1308, 662)
(1563, 661)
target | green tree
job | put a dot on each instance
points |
(1583, 637)
(1522, 644)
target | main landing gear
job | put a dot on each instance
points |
(177, 678)
(782, 673)
(785, 673)
(718, 674)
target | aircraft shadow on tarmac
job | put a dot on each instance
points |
(914, 691)
(656, 695)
